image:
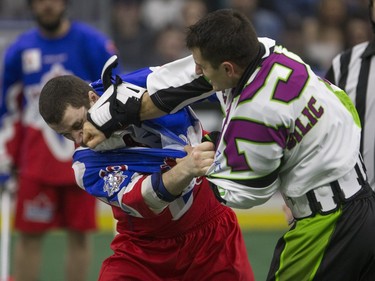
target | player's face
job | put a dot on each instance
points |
(71, 125)
(48, 13)
(218, 78)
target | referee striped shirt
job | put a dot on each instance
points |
(354, 71)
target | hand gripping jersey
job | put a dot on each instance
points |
(288, 129)
(26, 140)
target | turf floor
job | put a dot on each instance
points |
(259, 244)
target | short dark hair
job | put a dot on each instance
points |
(224, 35)
(59, 93)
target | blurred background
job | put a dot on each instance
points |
(151, 32)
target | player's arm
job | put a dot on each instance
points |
(161, 189)
(139, 194)
(169, 88)
(195, 164)
(148, 108)
(176, 85)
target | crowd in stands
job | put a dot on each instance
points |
(151, 32)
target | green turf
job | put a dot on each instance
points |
(259, 244)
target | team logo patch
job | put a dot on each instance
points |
(113, 177)
(40, 209)
(32, 60)
(169, 162)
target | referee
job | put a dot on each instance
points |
(354, 71)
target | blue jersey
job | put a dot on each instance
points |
(29, 63)
(109, 175)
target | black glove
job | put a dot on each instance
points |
(120, 104)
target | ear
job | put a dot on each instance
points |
(229, 68)
(93, 97)
(232, 70)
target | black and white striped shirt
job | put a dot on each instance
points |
(354, 71)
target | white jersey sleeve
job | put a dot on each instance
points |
(175, 85)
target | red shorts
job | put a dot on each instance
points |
(41, 207)
(214, 250)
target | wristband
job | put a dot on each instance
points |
(159, 188)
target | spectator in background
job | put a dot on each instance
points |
(142, 42)
(336, 25)
(357, 7)
(357, 31)
(12, 9)
(213, 5)
(169, 45)
(323, 34)
(132, 37)
(192, 11)
(157, 14)
(291, 11)
(47, 195)
(265, 22)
